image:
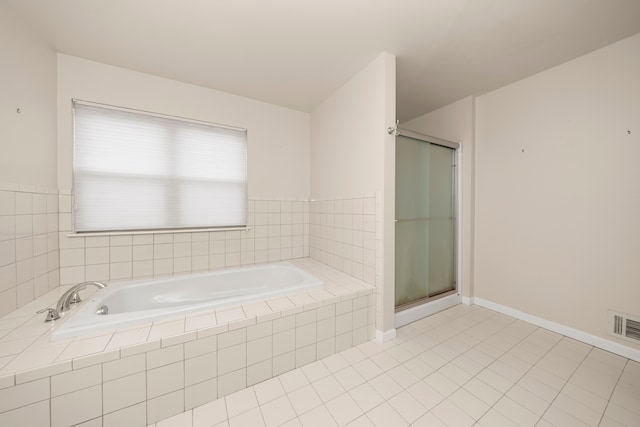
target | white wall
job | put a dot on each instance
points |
(349, 157)
(557, 203)
(347, 135)
(278, 138)
(455, 122)
(28, 82)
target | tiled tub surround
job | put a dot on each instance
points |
(278, 230)
(29, 260)
(143, 374)
(346, 233)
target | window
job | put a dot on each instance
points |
(143, 171)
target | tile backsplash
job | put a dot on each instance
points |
(29, 260)
(278, 230)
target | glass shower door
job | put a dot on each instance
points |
(425, 221)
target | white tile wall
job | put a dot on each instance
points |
(345, 233)
(278, 230)
(29, 260)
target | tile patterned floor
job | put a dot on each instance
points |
(466, 366)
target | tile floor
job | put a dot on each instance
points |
(466, 366)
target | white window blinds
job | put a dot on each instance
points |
(136, 171)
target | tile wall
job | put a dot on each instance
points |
(345, 233)
(146, 383)
(278, 230)
(29, 260)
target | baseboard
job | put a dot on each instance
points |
(586, 338)
(386, 335)
(410, 315)
(467, 300)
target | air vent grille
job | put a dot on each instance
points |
(633, 329)
(618, 321)
(624, 326)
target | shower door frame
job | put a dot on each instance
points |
(414, 310)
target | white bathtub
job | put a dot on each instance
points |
(144, 301)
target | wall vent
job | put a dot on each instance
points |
(624, 326)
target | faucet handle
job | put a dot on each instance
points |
(52, 314)
(75, 298)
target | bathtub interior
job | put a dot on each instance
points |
(134, 303)
(225, 287)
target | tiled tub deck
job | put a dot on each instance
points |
(149, 372)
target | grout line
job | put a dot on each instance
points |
(613, 389)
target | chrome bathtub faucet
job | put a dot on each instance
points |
(71, 296)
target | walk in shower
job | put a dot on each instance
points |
(425, 221)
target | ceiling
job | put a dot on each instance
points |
(295, 53)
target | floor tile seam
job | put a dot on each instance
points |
(558, 355)
(613, 391)
(264, 420)
(374, 406)
(286, 395)
(578, 367)
(603, 372)
(462, 409)
(608, 399)
(490, 356)
(226, 404)
(475, 421)
(488, 385)
(514, 384)
(517, 403)
(390, 406)
(545, 350)
(571, 352)
(461, 368)
(525, 336)
(373, 387)
(316, 391)
(359, 407)
(313, 409)
(461, 387)
(564, 412)
(563, 387)
(503, 352)
(575, 401)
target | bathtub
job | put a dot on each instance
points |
(144, 301)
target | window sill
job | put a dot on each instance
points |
(164, 231)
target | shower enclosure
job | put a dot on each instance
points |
(425, 224)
